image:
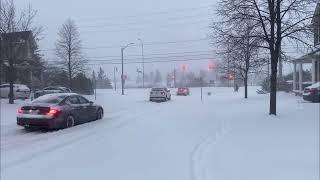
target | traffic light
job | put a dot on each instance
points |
(231, 77)
(184, 67)
(211, 66)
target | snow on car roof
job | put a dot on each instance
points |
(316, 85)
(55, 95)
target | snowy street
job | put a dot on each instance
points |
(225, 137)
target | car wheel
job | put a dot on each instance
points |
(100, 114)
(28, 129)
(70, 122)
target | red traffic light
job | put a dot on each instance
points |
(231, 77)
(211, 66)
(184, 67)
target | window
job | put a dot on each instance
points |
(83, 100)
(50, 88)
(72, 100)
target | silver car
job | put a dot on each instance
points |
(160, 94)
(20, 91)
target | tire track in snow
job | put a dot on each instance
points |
(197, 170)
(107, 128)
(23, 137)
(70, 141)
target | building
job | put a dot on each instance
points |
(312, 58)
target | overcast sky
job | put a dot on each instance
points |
(176, 28)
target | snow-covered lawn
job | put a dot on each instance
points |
(225, 137)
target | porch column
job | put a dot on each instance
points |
(313, 71)
(300, 77)
(294, 83)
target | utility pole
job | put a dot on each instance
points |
(175, 77)
(95, 89)
(142, 54)
(122, 75)
(114, 78)
(201, 81)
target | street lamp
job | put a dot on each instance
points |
(122, 76)
(142, 61)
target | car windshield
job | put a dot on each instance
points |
(50, 99)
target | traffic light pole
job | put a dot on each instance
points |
(114, 78)
(122, 77)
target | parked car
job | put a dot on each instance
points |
(59, 110)
(160, 94)
(312, 93)
(183, 91)
(51, 90)
(20, 91)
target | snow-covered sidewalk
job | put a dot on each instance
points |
(223, 137)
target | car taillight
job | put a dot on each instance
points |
(313, 90)
(20, 111)
(53, 111)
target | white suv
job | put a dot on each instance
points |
(160, 94)
(20, 91)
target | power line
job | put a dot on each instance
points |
(174, 19)
(146, 44)
(129, 61)
(148, 58)
(154, 54)
(149, 13)
(153, 27)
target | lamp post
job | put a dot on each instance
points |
(122, 76)
(142, 54)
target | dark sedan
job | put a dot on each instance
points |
(56, 111)
(312, 93)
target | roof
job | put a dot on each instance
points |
(315, 55)
(56, 94)
(316, 12)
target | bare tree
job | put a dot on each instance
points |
(11, 23)
(279, 20)
(242, 53)
(69, 50)
(243, 56)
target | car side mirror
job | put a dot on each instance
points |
(90, 102)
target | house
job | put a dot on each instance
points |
(312, 58)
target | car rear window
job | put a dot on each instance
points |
(157, 89)
(49, 99)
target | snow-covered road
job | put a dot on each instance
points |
(223, 137)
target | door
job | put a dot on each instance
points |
(76, 108)
(88, 109)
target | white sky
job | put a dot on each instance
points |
(116, 23)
